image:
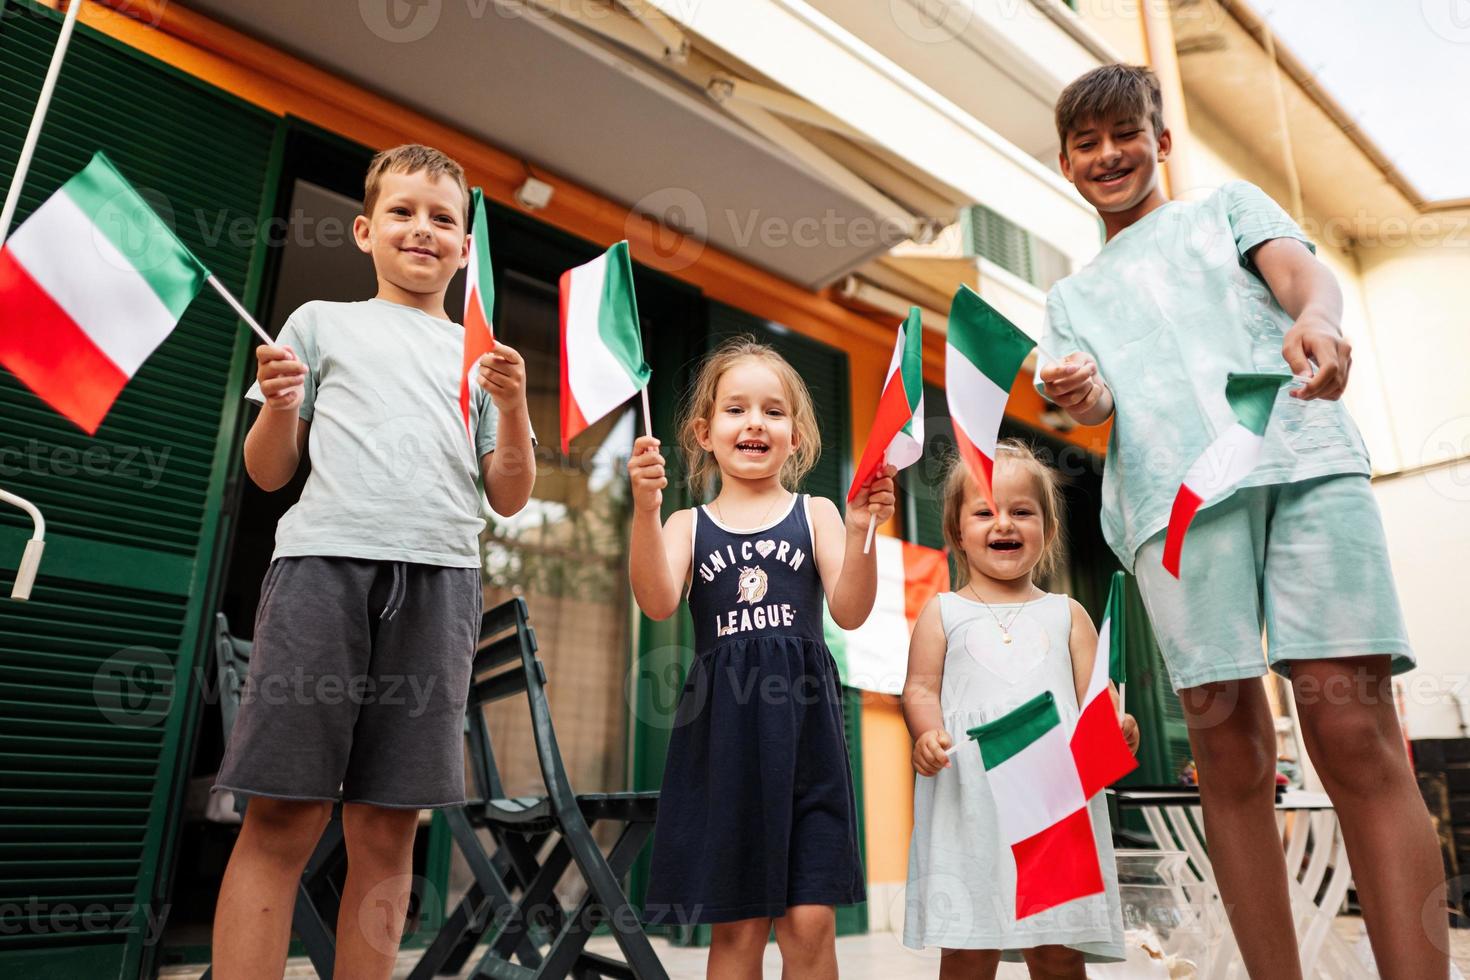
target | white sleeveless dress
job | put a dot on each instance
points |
(962, 878)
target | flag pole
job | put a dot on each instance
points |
(872, 523)
(33, 135)
(647, 415)
(240, 311)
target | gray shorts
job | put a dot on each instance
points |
(357, 685)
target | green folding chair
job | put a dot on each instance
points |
(512, 897)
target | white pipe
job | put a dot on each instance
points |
(30, 561)
(33, 135)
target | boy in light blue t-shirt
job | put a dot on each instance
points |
(1182, 294)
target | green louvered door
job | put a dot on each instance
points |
(100, 671)
(825, 371)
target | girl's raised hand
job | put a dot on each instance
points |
(876, 498)
(929, 754)
(646, 471)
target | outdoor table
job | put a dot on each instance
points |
(1317, 881)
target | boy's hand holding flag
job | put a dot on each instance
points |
(897, 436)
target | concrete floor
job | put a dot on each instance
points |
(877, 956)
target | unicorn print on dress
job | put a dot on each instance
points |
(752, 584)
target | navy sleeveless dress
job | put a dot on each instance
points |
(756, 812)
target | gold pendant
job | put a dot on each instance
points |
(1005, 637)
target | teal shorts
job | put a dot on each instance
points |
(1307, 561)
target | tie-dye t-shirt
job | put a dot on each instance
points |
(1168, 308)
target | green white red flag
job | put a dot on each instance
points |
(1098, 744)
(983, 353)
(1041, 806)
(479, 304)
(90, 285)
(874, 657)
(601, 346)
(1226, 461)
(897, 436)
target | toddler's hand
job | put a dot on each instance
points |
(503, 376)
(929, 756)
(876, 498)
(1073, 383)
(281, 376)
(646, 471)
(1130, 733)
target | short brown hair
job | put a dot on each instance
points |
(410, 158)
(1049, 497)
(1108, 94)
(701, 405)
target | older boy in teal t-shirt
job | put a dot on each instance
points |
(1182, 294)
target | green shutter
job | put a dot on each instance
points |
(987, 234)
(853, 919)
(99, 683)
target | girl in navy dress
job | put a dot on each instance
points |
(756, 820)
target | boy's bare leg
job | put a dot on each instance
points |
(969, 964)
(1352, 734)
(252, 919)
(375, 897)
(1234, 743)
(737, 949)
(807, 935)
(1054, 963)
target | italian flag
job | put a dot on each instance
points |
(1227, 460)
(874, 657)
(479, 304)
(1098, 745)
(982, 355)
(897, 436)
(90, 285)
(1041, 806)
(601, 349)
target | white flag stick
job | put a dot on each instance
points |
(33, 135)
(872, 523)
(647, 415)
(240, 311)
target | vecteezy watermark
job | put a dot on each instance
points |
(302, 688)
(930, 21)
(1446, 456)
(655, 688)
(144, 464)
(1448, 19)
(134, 687)
(34, 916)
(675, 222)
(400, 21)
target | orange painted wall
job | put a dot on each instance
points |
(888, 788)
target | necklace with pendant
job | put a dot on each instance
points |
(716, 504)
(1005, 628)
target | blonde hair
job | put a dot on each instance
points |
(700, 405)
(1049, 496)
(410, 158)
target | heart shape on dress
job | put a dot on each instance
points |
(1012, 662)
(764, 548)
